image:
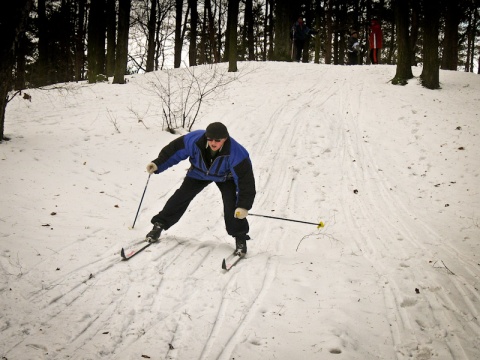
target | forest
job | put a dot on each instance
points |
(46, 42)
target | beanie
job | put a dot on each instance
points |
(216, 130)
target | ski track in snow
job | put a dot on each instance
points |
(180, 282)
(410, 314)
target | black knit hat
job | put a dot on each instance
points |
(216, 130)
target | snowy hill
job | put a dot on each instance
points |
(392, 171)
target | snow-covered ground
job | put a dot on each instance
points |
(392, 171)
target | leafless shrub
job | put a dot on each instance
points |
(140, 117)
(184, 91)
(113, 120)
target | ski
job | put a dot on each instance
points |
(133, 252)
(231, 260)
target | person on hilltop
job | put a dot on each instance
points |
(299, 34)
(375, 41)
(353, 48)
(214, 157)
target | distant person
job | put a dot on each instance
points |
(299, 34)
(375, 41)
(353, 48)
(214, 157)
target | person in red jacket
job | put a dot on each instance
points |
(375, 41)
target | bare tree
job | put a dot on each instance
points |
(183, 92)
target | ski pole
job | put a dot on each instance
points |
(319, 225)
(141, 200)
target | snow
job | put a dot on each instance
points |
(392, 171)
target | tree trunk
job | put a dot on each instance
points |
(286, 12)
(473, 36)
(328, 31)
(42, 66)
(342, 31)
(265, 32)
(249, 26)
(122, 41)
(177, 58)
(80, 41)
(66, 42)
(152, 21)
(308, 22)
(20, 57)
(404, 68)
(13, 17)
(450, 41)
(270, 53)
(336, 26)
(414, 32)
(430, 72)
(203, 53)
(96, 40)
(232, 24)
(111, 22)
(318, 22)
(211, 33)
(192, 51)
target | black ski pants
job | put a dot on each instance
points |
(299, 44)
(178, 203)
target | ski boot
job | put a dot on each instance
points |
(154, 234)
(241, 244)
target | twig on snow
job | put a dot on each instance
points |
(444, 267)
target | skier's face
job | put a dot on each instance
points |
(216, 144)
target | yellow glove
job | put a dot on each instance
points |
(241, 213)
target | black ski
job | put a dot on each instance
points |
(133, 252)
(232, 260)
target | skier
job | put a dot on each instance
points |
(375, 41)
(300, 33)
(214, 157)
(352, 48)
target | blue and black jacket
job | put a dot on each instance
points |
(231, 163)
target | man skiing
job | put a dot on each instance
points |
(214, 157)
